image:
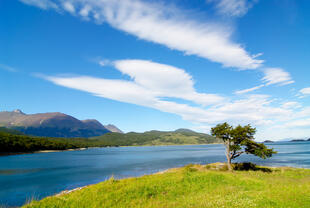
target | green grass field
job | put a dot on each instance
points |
(194, 186)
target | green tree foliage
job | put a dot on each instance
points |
(10, 143)
(10, 131)
(240, 140)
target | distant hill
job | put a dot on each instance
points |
(157, 138)
(182, 130)
(51, 124)
(298, 140)
(113, 128)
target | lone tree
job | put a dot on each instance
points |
(240, 140)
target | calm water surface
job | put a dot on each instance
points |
(24, 177)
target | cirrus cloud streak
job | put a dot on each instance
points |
(235, 8)
(272, 76)
(162, 24)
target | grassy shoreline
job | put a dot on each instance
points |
(194, 186)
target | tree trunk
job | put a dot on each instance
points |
(228, 156)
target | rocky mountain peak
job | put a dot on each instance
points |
(113, 128)
(18, 111)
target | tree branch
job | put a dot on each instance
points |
(236, 155)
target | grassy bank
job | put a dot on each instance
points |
(195, 186)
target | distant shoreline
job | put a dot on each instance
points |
(46, 151)
(40, 151)
(160, 145)
(85, 148)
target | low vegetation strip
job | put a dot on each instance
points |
(195, 186)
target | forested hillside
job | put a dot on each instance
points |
(177, 137)
(13, 142)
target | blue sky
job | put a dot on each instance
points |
(145, 65)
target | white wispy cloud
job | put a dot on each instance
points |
(254, 109)
(277, 76)
(281, 132)
(298, 123)
(150, 82)
(7, 68)
(291, 104)
(153, 84)
(233, 7)
(249, 90)
(84, 12)
(43, 4)
(166, 25)
(296, 127)
(304, 92)
(69, 7)
(165, 81)
(272, 76)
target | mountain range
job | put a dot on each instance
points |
(53, 125)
